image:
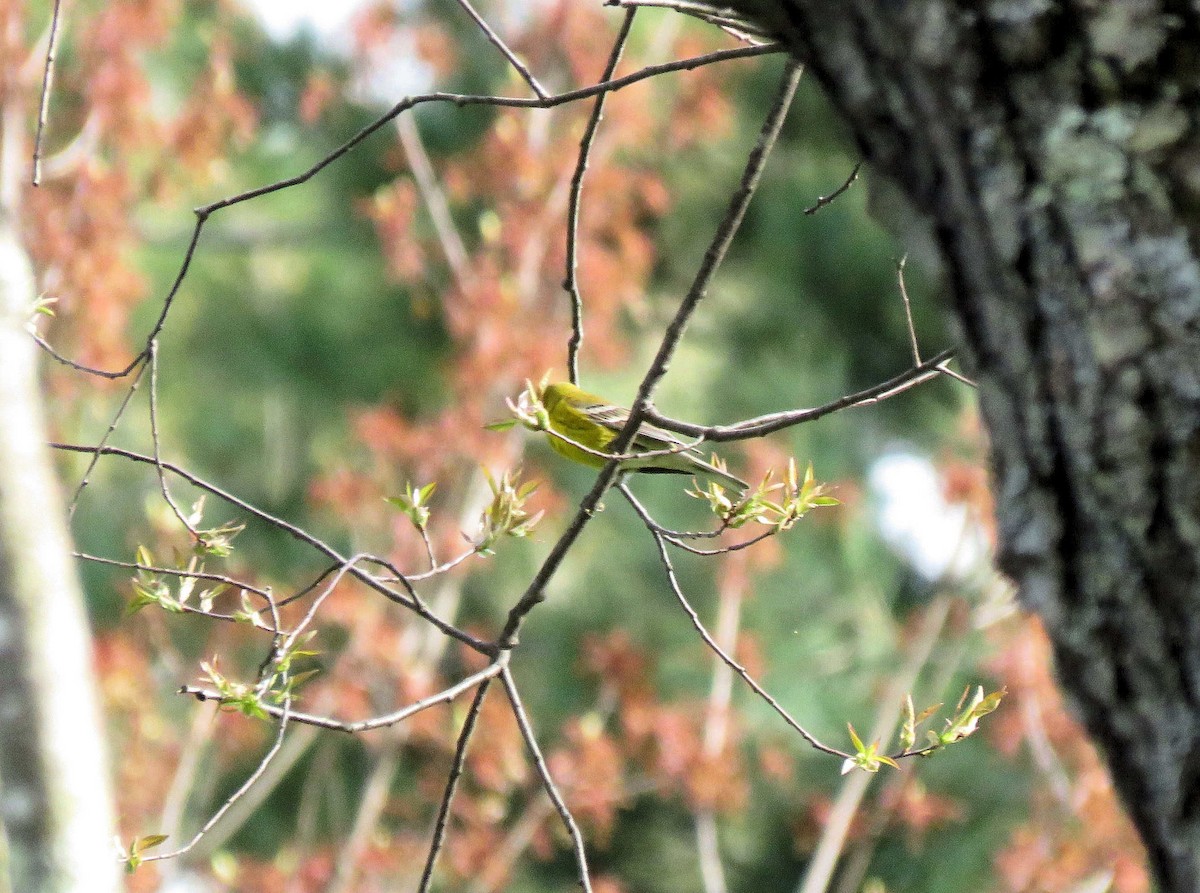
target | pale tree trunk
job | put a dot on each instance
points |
(54, 792)
(1053, 150)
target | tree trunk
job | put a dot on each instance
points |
(54, 792)
(1054, 148)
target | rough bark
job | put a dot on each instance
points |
(1054, 149)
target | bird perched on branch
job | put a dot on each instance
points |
(591, 421)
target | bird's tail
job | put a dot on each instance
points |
(724, 478)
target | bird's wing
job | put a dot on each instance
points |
(652, 436)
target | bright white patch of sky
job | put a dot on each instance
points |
(395, 70)
(283, 19)
(937, 538)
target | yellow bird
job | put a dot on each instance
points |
(593, 422)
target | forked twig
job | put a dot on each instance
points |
(669, 567)
(112, 427)
(777, 421)
(408, 598)
(499, 44)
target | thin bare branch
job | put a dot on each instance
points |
(441, 823)
(499, 44)
(673, 580)
(824, 200)
(47, 86)
(715, 254)
(721, 550)
(294, 635)
(957, 376)
(767, 424)
(908, 317)
(548, 783)
(362, 725)
(570, 283)
(284, 715)
(458, 99)
(112, 427)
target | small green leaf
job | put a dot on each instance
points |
(866, 757)
(149, 842)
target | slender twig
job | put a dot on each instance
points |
(908, 317)
(514, 698)
(293, 636)
(155, 330)
(570, 283)
(458, 99)
(443, 567)
(957, 376)
(677, 538)
(669, 567)
(284, 715)
(433, 563)
(723, 550)
(301, 593)
(231, 582)
(362, 725)
(499, 44)
(112, 427)
(408, 599)
(299, 740)
(47, 85)
(441, 823)
(824, 200)
(152, 361)
(767, 424)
